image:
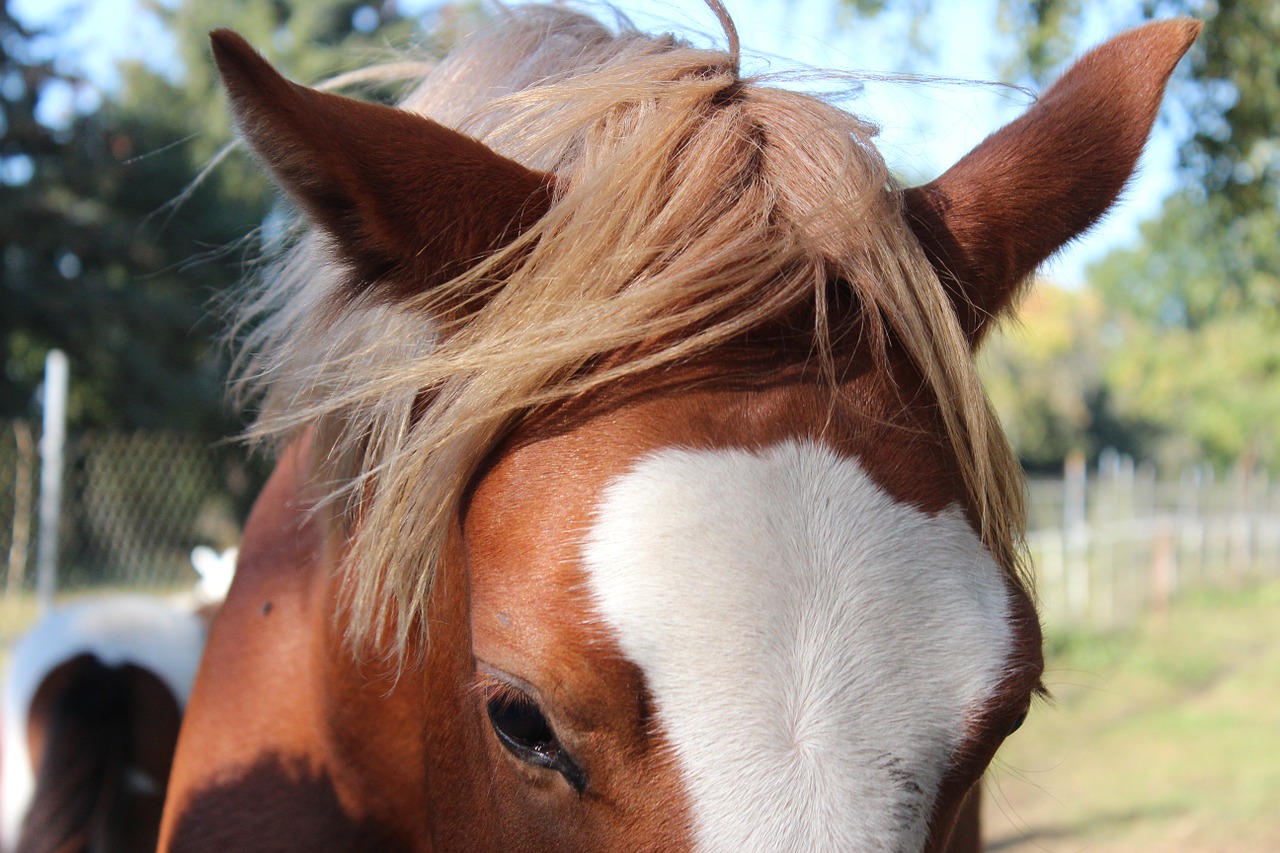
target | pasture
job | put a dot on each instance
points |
(1162, 738)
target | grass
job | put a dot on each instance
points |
(17, 614)
(1163, 739)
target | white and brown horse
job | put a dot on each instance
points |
(90, 707)
(637, 491)
(89, 716)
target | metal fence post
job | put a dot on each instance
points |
(52, 440)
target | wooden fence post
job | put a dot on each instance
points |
(1075, 538)
(1163, 567)
(24, 465)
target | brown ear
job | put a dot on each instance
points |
(1032, 186)
(408, 202)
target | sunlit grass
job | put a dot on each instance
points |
(1165, 738)
(17, 613)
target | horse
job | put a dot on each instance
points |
(636, 489)
(91, 708)
(89, 714)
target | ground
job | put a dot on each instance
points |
(1165, 738)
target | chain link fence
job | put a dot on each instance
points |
(134, 504)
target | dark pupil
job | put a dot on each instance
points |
(527, 735)
(520, 725)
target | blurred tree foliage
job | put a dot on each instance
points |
(111, 249)
(1198, 298)
(115, 244)
(1181, 361)
(1043, 372)
(1212, 393)
(1047, 375)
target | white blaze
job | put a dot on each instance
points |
(812, 645)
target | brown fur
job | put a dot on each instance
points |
(92, 727)
(308, 756)
(265, 768)
(719, 265)
(987, 226)
(396, 210)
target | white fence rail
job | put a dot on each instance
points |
(1114, 544)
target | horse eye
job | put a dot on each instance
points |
(523, 730)
(1017, 724)
(527, 735)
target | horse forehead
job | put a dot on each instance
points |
(526, 513)
(813, 646)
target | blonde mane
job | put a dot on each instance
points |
(690, 206)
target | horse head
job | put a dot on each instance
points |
(664, 478)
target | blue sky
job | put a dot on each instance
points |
(925, 127)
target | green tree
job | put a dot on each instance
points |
(1198, 333)
(1192, 362)
(1212, 393)
(1199, 296)
(1193, 264)
(1047, 375)
(111, 249)
(74, 263)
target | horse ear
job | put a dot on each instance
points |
(407, 202)
(1031, 187)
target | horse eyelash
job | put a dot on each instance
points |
(491, 688)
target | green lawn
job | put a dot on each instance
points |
(1164, 739)
(17, 614)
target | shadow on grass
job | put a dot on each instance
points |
(1093, 825)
